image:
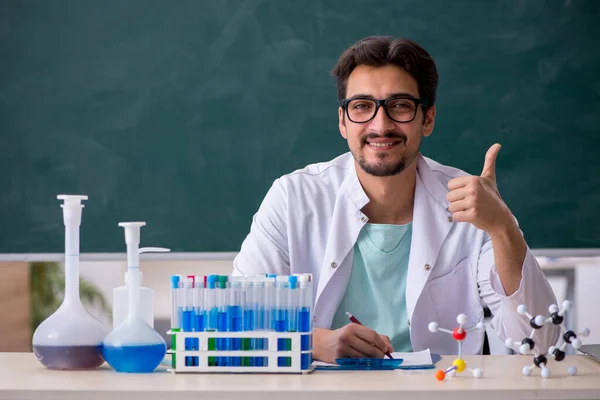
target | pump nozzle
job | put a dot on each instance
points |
(149, 250)
(132, 232)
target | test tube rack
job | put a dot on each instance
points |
(300, 360)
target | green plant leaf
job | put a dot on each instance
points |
(47, 290)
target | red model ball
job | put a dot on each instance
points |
(458, 335)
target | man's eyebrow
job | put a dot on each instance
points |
(362, 96)
(368, 96)
(402, 94)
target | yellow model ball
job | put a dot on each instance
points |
(460, 365)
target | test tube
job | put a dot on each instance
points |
(270, 310)
(269, 314)
(281, 314)
(258, 297)
(247, 343)
(199, 321)
(175, 303)
(175, 317)
(304, 317)
(212, 311)
(222, 302)
(188, 315)
(293, 302)
(234, 312)
(198, 313)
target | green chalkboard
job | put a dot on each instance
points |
(182, 113)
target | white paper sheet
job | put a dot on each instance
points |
(416, 358)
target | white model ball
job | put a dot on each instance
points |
(566, 305)
(524, 348)
(522, 309)
(451, 373)
(553, 308)
(576, 343)
(585, 332)
(526, 371)
(480, 327)
(461, 319)
(540, 320)
(508, 343)
(477, 373)
(572, 370)
(545, 372)
(433, 327)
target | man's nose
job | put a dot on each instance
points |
(381, 123)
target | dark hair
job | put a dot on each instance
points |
(378, 51)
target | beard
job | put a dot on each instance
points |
(382, 167)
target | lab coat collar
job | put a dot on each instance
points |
(431, 183)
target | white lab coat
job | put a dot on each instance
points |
(310, 220)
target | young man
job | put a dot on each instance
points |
(391, 236)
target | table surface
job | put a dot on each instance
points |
(23, 377)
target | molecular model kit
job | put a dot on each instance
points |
(556, 352)
(459, 334)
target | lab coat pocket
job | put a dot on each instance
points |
(452, 294)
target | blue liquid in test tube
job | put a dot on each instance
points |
(293, 302)
(222, 300)
(304, 317)
(269, 310)
(248, 343)
(199, 313)
(281, 313)
(258, 307)
(212, 314)
(188, 316)
(234, 312)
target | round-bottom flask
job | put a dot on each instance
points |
(134, 347)
(70, 339)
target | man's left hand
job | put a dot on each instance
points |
(476, 199)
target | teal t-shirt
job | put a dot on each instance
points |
(376, 291)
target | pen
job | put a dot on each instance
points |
(356, 321)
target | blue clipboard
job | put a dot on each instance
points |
(375, 364)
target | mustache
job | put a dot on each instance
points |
(389, 135)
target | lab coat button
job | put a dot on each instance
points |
(408, 322)
(334, 265)
(450, 219)
(427, 267)
(364, 219)
(314, 319)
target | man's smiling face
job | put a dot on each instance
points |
(381, 146)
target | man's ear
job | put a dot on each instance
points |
(429, 121)
(342, 124)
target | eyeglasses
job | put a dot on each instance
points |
(401, 109)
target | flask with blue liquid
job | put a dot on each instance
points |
(134, 346)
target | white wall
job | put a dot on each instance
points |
(107, 275)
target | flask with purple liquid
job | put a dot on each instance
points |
(71, 338)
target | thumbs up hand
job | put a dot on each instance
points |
(475, 199)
